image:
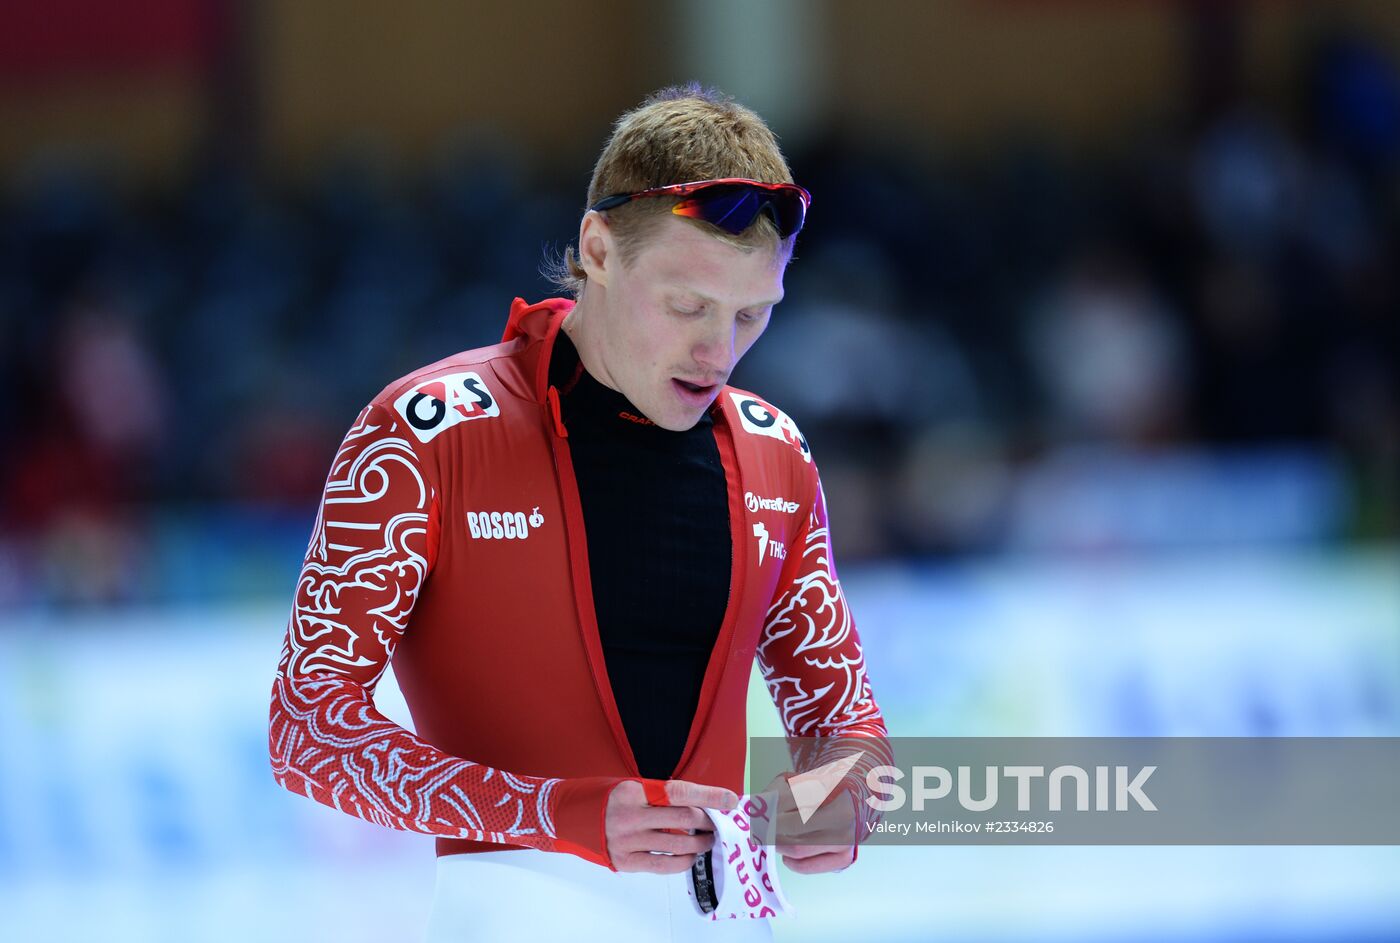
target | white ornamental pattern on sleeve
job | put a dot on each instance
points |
(811, 660)
(366, 560)
(379, 558)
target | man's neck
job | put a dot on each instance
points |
(580, 324)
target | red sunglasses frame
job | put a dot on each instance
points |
(686, 207)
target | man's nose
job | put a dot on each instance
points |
(715, 348)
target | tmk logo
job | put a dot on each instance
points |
(442, 402)
(502, 525)
(774, 548)
(759, 418)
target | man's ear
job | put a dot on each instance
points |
(596, 247)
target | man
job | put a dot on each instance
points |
(573, 545)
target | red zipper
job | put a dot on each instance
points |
(553, 397)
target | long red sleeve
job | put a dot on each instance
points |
(371, 549)
(811, 660)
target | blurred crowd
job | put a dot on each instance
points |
(1190, 337)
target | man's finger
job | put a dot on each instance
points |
(678, 844)
(681, 816)
(682, 792)
(821, 864)
(655, 864)
(809, 851)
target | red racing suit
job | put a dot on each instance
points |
(450, 539)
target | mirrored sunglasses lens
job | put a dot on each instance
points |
(789, 212)
(732, 210)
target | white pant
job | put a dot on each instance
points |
(527, 894)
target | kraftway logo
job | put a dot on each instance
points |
(755, 504)
(503, 525)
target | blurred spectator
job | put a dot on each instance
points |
(1255, 381)
(97, 423)
(1109, 355)
(1245, 178)
(1355, 101)
(81, 469)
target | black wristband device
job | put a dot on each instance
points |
(702, 878)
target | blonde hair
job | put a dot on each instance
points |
(679, 134)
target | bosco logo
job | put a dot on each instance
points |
(758, 417)
(442, 402)
(503, 525)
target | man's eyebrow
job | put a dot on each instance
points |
(701, 296)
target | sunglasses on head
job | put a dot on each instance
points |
(731, 203)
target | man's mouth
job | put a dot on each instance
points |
(695, 393)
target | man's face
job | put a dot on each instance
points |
(678, 317)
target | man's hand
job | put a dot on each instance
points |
(825, 848)
(637, 830)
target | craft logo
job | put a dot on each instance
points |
(442, 402)
(759, 418)
(755, 504)
(503, 525)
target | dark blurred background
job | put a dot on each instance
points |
(1079, 274)
(1093, 331)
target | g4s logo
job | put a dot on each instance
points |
(758, 417)
(442, 402)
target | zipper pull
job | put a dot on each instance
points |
(553, 397)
